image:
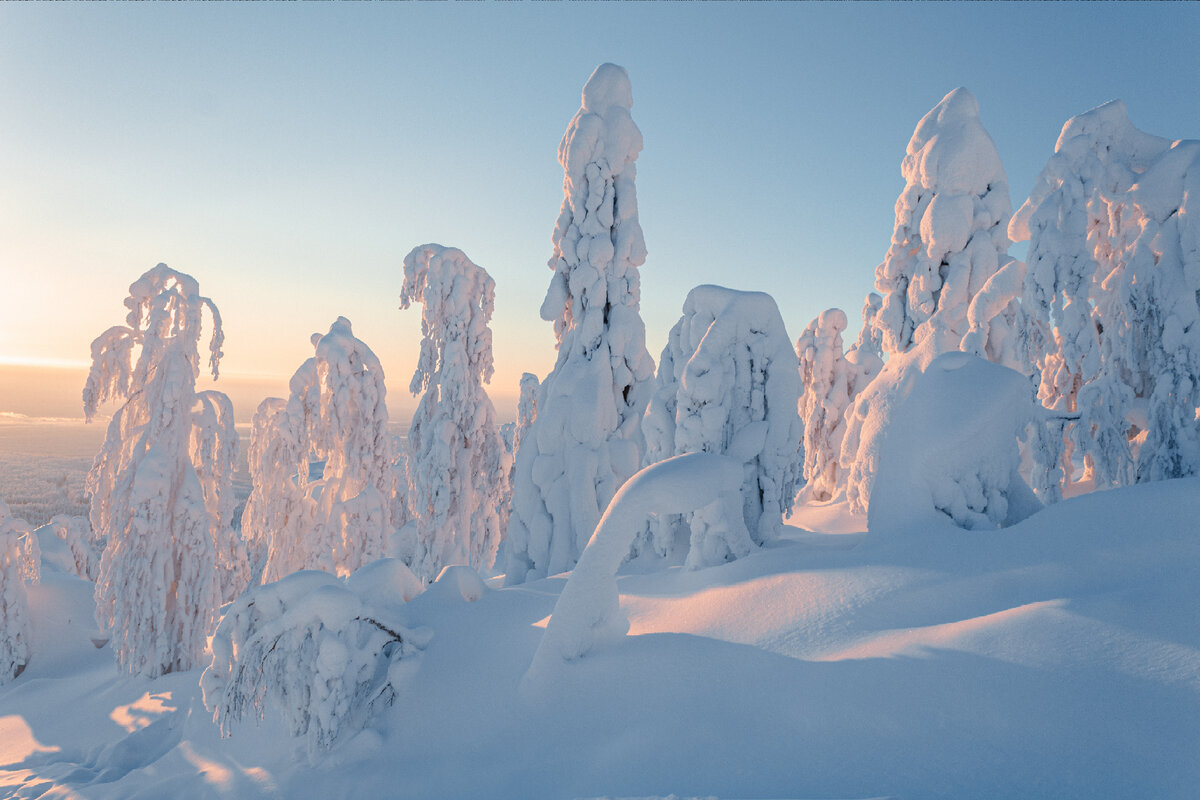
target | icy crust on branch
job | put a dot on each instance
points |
(831, 380)
(586, 440)
(951, 232)
(1111, 290)
(20, 563)
(588, 613)
(324, 653)
(159, 583)
(457, 465)
(728, 381)
(951, 450)
(339, 519)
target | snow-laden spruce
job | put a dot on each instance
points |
(85, 549)
(458, 471)
(1112, 285)
(214, 447)
(951, 450)
(831, 380)
(20, 563)
(586, 440)
(324, 653)
(160, 575)
(728, 380)
(946, 282)
(339, 519)
(276, 504)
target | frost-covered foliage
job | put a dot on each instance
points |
(159, 583)
(951, 450)
(588, 611)
(20, 563)
(323, 652)
(728, 380)
(214, 448)
(831, 380)
(276, 505)
(586, 440)
(947, 281)
(526, 408)
(1111, 288)
(458, 472)
(337, 519)
(85, 550)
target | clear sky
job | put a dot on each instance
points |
(288, 156)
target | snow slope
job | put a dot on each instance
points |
(1056, 658)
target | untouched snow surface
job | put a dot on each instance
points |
(1057, 658)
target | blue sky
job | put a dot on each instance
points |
(289, 155)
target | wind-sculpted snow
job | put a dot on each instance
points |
(324, 653)
(457, 465)
(586, 440)
(159, 509)
(951, 449)
(20, 563)
(728, 375)
(339, 519)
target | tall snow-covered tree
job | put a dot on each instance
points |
(456, 460)
(213, 450)
(339, 519)
(277, 505)
(586, 440)
(728, 383)
(831, 380)
(19, 564)
(160, 577)
(949, 241)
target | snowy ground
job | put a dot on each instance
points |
(1059, 658)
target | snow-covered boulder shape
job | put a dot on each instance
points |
(337, 411)
(1111, 288)
(946, 283)
(728, 380)
(831, 380)
(324, 653)
(19, 564)
(586, 440)
(950, 453)
(159, 510)
(458, 476)
(588, 612)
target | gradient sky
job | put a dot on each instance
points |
(288, 156)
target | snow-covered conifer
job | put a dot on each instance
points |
(457, 465)
(339, 519)
(276, 505)
(214, 447)
(586, 440)
(76, 533)
(728, 381)
(159, 585)
(19, 564)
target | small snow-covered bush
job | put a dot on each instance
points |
(85, 550)
(951, 450)
(325, 652)
(19, 564)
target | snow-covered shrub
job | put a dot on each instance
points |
(214, 447)
(949, 250)
(458, 475)
(339, 519)
(77, 535)
(831, 380)
(729, 375)
(159, 584)
(20, 563)
(324, 652)
(586, 440)
(276, 504)
(951, 450)
(1111, 288)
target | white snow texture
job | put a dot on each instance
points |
(20, 562)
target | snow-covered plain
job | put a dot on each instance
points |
(1059, 657)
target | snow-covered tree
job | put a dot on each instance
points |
(728, 381)
(456, 461)
(214, 446)
(831, 380)
(324, 653)
(949, 249)
(19, 564)
(339, 518)
(586, 440)
(85, 549)
(277, 505)
(1111, 290)
(159, 584)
